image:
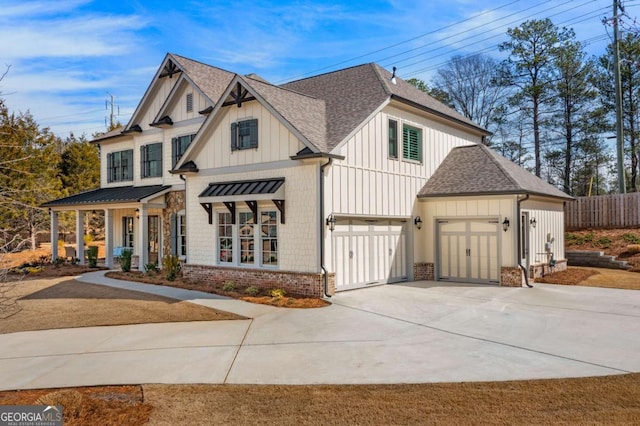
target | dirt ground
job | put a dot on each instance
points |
(611, 400)
(615, 242)
(64, 303)
(594, 277)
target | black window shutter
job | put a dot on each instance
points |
(109, 167)
(253, 131)
(143, 172)
(174, 151)
(234, 136)
(174, 234)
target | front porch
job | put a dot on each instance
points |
(149, 221)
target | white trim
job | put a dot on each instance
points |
(247, 168)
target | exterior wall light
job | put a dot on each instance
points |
(331, 222)
(418, 222)
(505, 224)
(533, 222)
(137, 213)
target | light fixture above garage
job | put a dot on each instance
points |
(418, 222)
(331, 222)
(505, 224)
(533, 222)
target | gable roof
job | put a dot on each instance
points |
(303, 112)
(478, 170)
(353, 94)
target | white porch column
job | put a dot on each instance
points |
(80, 235)
(54, 235)
(108, 237)
(143, 238)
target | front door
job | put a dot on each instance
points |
(153, 239)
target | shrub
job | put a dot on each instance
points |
(74, 261)
(43, 260)
(171, 267)
(59, 261)
(570, 238)
(252, 291)
(151, 268)
(278, 293)
(586, 238)
(229, 286)
(125, 260)
(604, 242)
(92, 256)
(631, 238)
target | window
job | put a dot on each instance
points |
(225, 238)
(393, 139)
(411, 143)
(246, 232)
(244, 134)
(120, 166)
(178, 146)
(254, 249)
(151, 160)
(189, 102)
(269, 236)
(127, 232)
(182, 235)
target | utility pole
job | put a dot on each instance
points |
(109, 106)
(622, 186)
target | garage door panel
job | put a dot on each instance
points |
(468, 250)
(376, 252)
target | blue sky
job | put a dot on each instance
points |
(65, 56)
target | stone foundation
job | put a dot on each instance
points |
(424, 271)
(294, 283)
(175, 203)
(539, 270)
(511, 276)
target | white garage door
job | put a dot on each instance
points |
(468, 251)
(368, 252)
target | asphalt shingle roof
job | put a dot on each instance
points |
(478, 170)
(121, 194)
(211, 80)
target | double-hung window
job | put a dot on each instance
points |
(178, 146)
(120, 166)
(127, 231)
(244, 134)
(151, 160)
(249, 241)
(411, 143)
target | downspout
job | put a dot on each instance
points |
(322, 229)
(518, 231)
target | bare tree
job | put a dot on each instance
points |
(472, 87)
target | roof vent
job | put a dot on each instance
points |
(393, 76)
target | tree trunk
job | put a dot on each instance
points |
(536, 133)
(569, 150)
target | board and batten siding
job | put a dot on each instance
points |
(177, 108)
(549, 217)
(275, 140)
(471, 208)
(368, 182)
(155, 100)
(297, 238)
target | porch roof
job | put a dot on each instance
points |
(121, 194)
(245, 187)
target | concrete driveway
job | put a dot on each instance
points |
(403, 333)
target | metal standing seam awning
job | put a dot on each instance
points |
(247, 191)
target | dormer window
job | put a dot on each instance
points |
(244, 134)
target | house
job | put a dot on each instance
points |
(338, 181)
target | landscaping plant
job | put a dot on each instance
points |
(92, 256)
(171, 267)
(125, 260)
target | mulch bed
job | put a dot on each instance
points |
(571, 276)
(238, 292)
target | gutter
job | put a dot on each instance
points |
(518, 230)
(323, 228)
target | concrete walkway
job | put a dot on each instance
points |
(409, 333)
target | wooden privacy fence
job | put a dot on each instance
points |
(603, 211)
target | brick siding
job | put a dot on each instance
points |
(424, 271)
(294, 283)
